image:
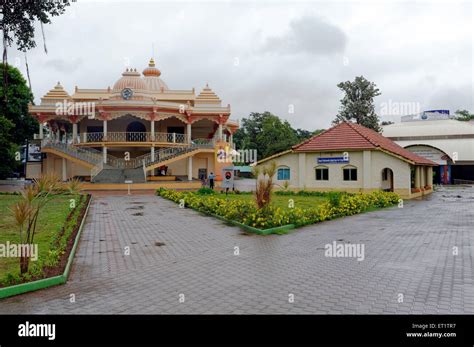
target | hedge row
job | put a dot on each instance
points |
(247, 213)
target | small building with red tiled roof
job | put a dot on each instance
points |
(350, 157)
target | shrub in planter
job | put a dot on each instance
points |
(205, 191)
(246, 212)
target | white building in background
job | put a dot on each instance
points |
(440, 138)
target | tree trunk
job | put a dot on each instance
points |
(24, 262)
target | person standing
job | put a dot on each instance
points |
(211, 180)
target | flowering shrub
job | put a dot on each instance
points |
(246, 212)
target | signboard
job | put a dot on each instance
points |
(333, 160)
(430, 153)
(227, 177)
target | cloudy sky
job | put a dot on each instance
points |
(276, 56)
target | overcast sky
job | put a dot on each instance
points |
(275, 56)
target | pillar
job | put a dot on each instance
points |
(41, 131)
(104, 152)
(422, 177)
(105, 130)
(190, 168)
(152, 132)
(64, 171)
(74, 132)
(220, 132)
(430, 175)
(417, 177)
(367, 170)
(301, 170)
(188, 132)
(152, 153)
(231, 140)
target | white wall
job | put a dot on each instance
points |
(376, 160)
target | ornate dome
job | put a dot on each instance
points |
(151, 70)
(152, 77)
(130, 79)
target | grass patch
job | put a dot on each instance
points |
(51, 221)
(280, 201)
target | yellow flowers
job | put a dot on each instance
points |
(246, 212)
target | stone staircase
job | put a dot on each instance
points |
(117, 175)
(118, 170)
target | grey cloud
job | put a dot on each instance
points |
(64, 66)
(308, 34)
(301, 65)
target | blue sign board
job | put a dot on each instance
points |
(438, 111)
(333, 160)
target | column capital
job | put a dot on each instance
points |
(104, 116)
(74, 119)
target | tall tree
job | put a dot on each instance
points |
(306, 134)
(17, 19)
(358, 103)
(268, 134)
(7, 148)
(16, 109)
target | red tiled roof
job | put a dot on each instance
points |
(347, 136)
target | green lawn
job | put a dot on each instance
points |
(281, 201)
(50, 222)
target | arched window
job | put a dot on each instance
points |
(136, 131)
(349, 173)
(321, 173)
(283, 173)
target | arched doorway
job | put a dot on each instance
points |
(387, 179)
(441, 174)
(136, 131)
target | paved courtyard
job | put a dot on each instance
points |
(176, 253)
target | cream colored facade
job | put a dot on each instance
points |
(137, 124)
(369, 164)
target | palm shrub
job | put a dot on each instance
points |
(264, 188)
(26, 211)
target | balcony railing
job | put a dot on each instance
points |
(132, 137)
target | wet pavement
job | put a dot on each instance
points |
(142, 254)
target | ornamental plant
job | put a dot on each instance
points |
(33, 199)
(248, 213)
(265, 186)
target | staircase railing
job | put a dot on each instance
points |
(113, 136)
(96, 170)
(95, 157)
(89, 155)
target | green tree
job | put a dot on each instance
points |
(358, 103)
(276, 136)
(464, 115)
(268, 134)
(16, 109)
(17, 20)
(7, 148)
